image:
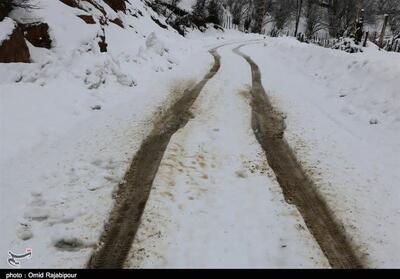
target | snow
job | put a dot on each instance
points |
(182, 4)
(186, 5)
(7, 26)
(329, 103)
(61, 157)
(155, 45)
(71, 122)
(215, 202)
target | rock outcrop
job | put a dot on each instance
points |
(116, 5)
(71, 3)
(14, 49)
(87, 18)
(117, 21)
(4, 11)
(37, 34)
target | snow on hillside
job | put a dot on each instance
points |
(183, 4)
(187, 4)
(343, 120)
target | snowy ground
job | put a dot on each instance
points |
(343, 121)
(62, 185)
(215, 201)
(71, 121)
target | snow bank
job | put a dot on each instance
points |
(369, 82)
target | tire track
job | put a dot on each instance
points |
(298, 189)
(132, 196)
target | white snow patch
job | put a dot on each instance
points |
(7, 26)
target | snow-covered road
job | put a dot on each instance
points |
(330, 99)
(215, 202)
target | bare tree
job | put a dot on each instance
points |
(199, 8)
(214, 12)
(391, 8)
(238, 9)
(314, 18)
(199, 12)
(174, 5)
(299, 8)
(248, 13)
(282, 12)
(341, 16)
(369, 7)
(6, 6)
(259, 14)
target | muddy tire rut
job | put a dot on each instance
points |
(268, 127)
(298, 189)
(132, 195)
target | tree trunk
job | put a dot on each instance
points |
(382, 36)
(299, 6)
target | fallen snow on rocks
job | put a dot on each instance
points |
(7, 26)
